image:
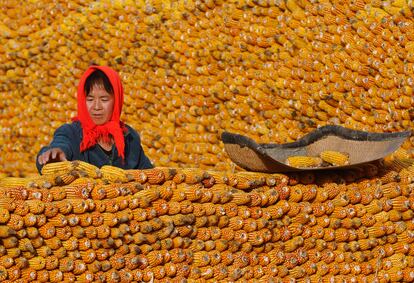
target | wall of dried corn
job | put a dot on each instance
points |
(272, 70)
(85, 224)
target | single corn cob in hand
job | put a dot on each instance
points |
(58, 168)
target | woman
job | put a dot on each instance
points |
(97, 135)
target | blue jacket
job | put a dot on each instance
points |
(69, 136)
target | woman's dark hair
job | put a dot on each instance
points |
(98, 78)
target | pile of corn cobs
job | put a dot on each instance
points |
(168, 225)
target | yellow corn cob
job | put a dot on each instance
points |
(35, 206)
(115, 174)
(11, 182)
(155, 176)
(57, 168)
(11, 246)
(377, 13)
(4, 215)
(391, 9)
(37, 263)
(193, 175)
(87, 169)
(335, 158)
(304, 161)
(65, 179)
(295, 9)
(77, 191)
(46, 181)
(169, 173)
(3, 273)
(6, 231)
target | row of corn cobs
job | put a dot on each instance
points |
(172, 225)
(272, 70)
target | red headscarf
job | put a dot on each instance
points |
(114, 127)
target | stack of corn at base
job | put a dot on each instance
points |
(184, 224)
(191, 69)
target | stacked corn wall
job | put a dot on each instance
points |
(272, 70)
(83, 224)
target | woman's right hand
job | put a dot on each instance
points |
(51, 155)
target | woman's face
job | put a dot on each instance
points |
(100, 104)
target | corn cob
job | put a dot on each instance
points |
(304, 161)
(3, 273)
(86, 169)
(115, 174)
(37, 263)
(65, 179)
(4, 215)
(11, 182)
(335, 158)
(154, 176)
(46, 181)
(60, 168)
(77, 191)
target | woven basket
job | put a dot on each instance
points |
(362, 147)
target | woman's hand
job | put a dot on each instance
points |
(51, 155)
